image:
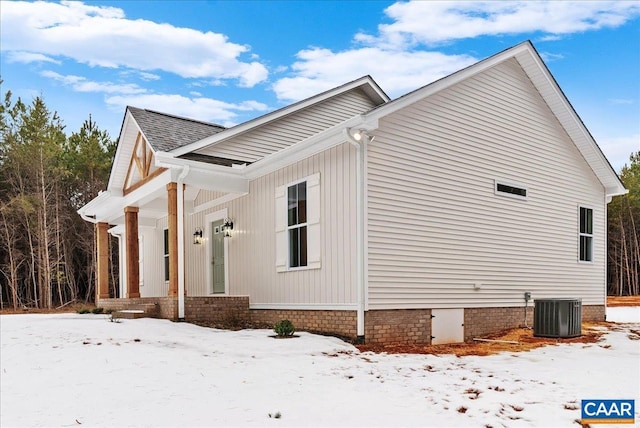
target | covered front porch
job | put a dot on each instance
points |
(150, 207)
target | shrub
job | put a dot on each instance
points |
(284, 328)
(97, 310)
(83, 311)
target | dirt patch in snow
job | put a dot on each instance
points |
(591, 333)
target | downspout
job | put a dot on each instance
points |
(361, 292)
(180, 226)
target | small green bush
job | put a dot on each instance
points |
(97, 310)
(284, 328)
(83, 311)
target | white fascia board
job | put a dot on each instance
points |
(128, 123)
(573, 125)
(567, 116)
(308, 147)
(269, 117)
(118, 155)
(444, 83)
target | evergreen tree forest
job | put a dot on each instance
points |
(624, 234)
(46, 250)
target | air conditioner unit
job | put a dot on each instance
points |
(557, 317)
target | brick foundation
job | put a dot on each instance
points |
(218, 311)
(398, 326)
(594, 313)
(338, 323)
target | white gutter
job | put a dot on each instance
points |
(361, 284)
(180, 226)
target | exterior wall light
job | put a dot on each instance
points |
(227, 227)
(197, 236)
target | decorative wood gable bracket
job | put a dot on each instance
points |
(141, 169)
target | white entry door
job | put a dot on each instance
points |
(447, 326)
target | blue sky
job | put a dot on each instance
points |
(229, 61)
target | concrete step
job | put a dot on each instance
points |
(130, 314)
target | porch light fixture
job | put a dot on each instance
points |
(227, 227)
(197, 236)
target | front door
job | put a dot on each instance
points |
(217, 256)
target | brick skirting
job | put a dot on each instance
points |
(398, 326)
(394, 326)
(338, 323)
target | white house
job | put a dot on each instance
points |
(423, 219)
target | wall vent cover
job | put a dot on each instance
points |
(557, 318)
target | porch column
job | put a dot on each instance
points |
(131, 237)
(102, 262)
(172, 209)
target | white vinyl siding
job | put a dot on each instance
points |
(435, 225)
(153, 254)
(282, 133)
(252, 248)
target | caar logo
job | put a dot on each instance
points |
(608, 411)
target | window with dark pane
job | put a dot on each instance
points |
(297, 219)
(166, 255)
(586, 234)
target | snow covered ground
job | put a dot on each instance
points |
(71, 370)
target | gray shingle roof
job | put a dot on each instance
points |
(166, 132)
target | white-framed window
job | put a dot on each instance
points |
(165, 254)
(297, 224)
(297, 206)
(585, 234)
(509, 189)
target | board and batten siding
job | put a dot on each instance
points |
(252, 247)
(438, 235)
(154, 284)
(272, 137)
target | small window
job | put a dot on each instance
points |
(297, 224)
(166, 255)
(586, 234)
(511, 190)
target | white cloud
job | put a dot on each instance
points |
(104, 37)
(28, 57)
(81, 84)
(397, 72)
(199, 108)
(149, 76)
(620, 101)
(434, 22)
(549, 57)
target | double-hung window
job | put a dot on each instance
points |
(586, 235)
(297, 224)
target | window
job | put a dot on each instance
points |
(166, 255)
(586, 234)
(509, 189)
(297, 224)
